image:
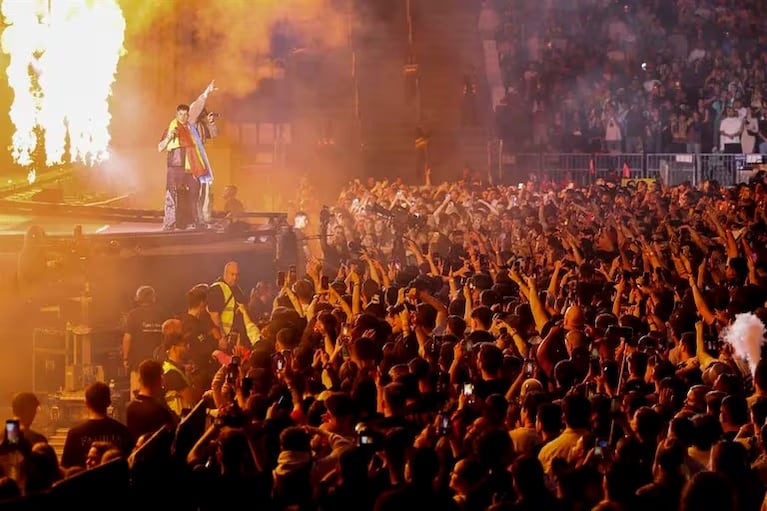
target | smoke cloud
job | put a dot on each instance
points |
(746, 336)
(231, 40)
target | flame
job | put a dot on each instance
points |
(63, 60)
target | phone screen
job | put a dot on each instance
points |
(600, 447)
(12, 431)
(468, 389)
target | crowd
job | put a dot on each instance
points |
(464, 346)
(633, 76)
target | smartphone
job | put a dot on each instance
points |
(616, 404)
(366, 439)
(529, 368)
(281, 279)
(468, 389)
(279, 362)
(444, 423)
(324, 283)
(247, 386)
(600, 447)
(12, 431)
(468, 346)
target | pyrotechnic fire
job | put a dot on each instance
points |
(63, 60)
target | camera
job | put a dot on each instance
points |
(365, 435)
(621, 332)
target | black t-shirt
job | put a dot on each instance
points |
(485, 388)
(145, 415)
(33, 437)
(217, 303)
(80, 438)
(144, 324)
(405, 347)
(201, 342)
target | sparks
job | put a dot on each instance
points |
(63, 60)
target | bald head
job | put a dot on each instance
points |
(232, 273)
(171, 326)
(574, 319)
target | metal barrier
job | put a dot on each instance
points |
(673, 169)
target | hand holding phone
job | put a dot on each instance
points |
(12, 432)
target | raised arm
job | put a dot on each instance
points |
(195, 109)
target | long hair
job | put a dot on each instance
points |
(201, 123)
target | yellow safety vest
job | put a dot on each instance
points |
(173, 397)
(230, 306)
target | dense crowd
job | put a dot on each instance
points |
(633, 76)
(462, 346)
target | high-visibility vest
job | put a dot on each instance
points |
(230, 306)
(173, 397)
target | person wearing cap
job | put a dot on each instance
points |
(142, 333)
(24, 407)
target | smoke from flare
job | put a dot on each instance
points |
(63, 60)
(746, 336)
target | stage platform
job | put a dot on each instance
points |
(128, 227)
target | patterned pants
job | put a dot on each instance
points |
(181, 192)
(205, 202)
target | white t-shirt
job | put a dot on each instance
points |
(729, 125)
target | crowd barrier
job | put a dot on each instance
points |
(673, 169)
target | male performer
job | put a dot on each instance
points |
(187, 162)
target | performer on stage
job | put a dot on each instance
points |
(207, 128)
(187, 163)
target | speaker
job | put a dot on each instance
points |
(48, 360)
